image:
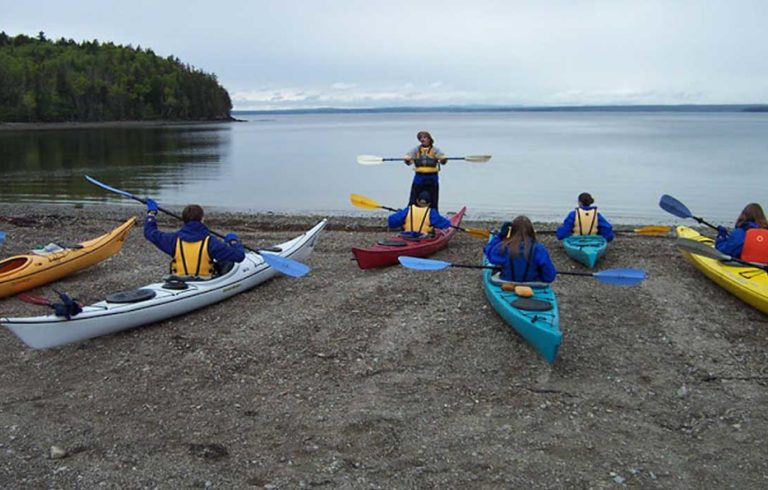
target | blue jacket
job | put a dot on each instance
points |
(192, 231)
(604, 228)
(420, 179)
(397, 219)
(732, 243)
(540, 269)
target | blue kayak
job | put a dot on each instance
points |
(536, 318)
(585, 249)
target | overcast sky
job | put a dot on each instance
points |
(345, 53)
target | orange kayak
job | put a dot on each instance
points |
(22, 272)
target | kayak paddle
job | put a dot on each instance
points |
(614, 277)
(2, 237)
(368, 203)
(375, 160)
(698, 248)
(675, 207)
(287, 266)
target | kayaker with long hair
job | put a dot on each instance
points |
(749, 238)
(426, 160)
(195, 251)
(521, 257)
(419, 219)
(585, 220)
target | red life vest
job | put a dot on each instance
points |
(755, 246)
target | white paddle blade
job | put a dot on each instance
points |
(369, 160)
(477, 158)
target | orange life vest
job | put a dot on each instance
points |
(755, 246)
(586, 222)
(417, 220)
(192, 259)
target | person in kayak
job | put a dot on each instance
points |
(585, 220)
(426, 160)
(749, 238)
(521, 257)
(418, 220)
(195, 251)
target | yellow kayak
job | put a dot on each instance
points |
(749, 284)
(52, 262)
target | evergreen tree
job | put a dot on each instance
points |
(46, 81)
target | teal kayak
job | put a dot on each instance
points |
(536, 318)
(585, 249)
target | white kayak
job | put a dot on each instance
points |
(155, 302)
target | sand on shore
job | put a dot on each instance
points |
(385, 378)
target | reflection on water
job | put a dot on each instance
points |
(48, 165)
(305, 163)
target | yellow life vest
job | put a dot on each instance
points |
(585, 222)
(417, 220)
(425, 161)
(192, 259)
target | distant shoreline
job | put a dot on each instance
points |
(725, 108)
(738, 108)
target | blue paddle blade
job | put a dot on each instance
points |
(284, 265)
(673, 206)
(423, 264)
(621, 277)
(111, 189)
(2, 237)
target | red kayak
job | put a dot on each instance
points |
(387, 251)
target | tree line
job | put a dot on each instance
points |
(56, 81)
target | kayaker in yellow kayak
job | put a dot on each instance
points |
(585, 220)
(426, 160)
(749, 238)
(521, 257)
(195, 251)
(419, 219)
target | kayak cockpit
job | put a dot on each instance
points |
(14, 264)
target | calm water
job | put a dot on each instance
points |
(714, 163)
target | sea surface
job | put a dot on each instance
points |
(714, 163)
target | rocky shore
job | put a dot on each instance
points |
(384, 378)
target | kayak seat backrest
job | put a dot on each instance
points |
(133, 296)
(13, 264)
(530, 304)
(392, 243)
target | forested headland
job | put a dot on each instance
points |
(65, 81)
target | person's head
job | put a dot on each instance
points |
(425, 138)
(520, 231)
(424, 199)
(752, 212)
(192, 212)
(585, 199)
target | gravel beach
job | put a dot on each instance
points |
(386, 378)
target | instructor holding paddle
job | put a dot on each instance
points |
(426, 160)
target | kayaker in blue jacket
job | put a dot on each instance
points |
(194, 250)
(585, 220)
(749, 238)
(521, 257)
(426, 160)
(418, 219)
